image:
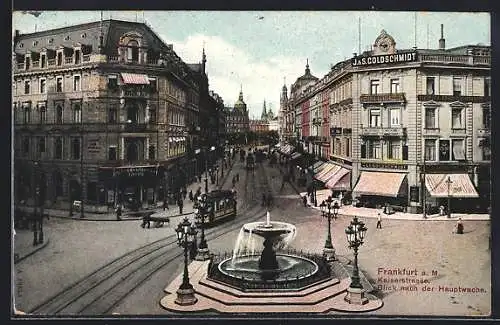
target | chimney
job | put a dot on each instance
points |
(441, 40)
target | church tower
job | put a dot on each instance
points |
(263, 116)
(282, 110)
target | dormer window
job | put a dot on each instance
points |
(133, 51)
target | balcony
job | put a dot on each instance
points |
(483, 133)
(458, 131)
(452, 98)
(382, 98)
(431, 131)
(457, 59)
(136, 127)
(135, 93)
(68, 60)
(383, 131)
(86, 58)
(51, 62)
(20, 66)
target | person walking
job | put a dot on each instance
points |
(379, 221)
(146, 220)
(181, 205)
(119, 212)
(304, 200)
(460, 226)
(191, 195)
(165, 204)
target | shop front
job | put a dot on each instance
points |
(376, 189)
(455, 191)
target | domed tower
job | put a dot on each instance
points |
(240, 104)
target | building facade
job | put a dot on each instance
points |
(102, 111)
(237, 120)
(410, 127)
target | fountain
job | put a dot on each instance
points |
(268, 266)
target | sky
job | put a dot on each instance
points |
(260, 50)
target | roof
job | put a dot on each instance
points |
(88, 34)
(194, 66)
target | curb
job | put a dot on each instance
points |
(39, 247)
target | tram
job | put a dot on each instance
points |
(220, 206)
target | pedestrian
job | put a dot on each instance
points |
(184, 192)
(460, 226)
(118, 212)
(237, 177)
(304, 200)
(379, 221)
(441, 210)
(146, 220)
(191, 195)
(234, 181)
(165, 204)
(181, 205)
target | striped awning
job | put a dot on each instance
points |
(380, 184)
(317, 166)
(340, 180)
(135, 79)
(328, 170)
(295, 155)
(460, 185)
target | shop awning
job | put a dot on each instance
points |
(135, 79)
(316, 167)
(460, 186)
(340, 180)
(380, 184)
(328, 170)
(295, 155)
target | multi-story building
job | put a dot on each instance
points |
(100, 113)
(237, 121)
(409, 127)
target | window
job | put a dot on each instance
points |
(394, 149)
(444, 150)
(58, 148)
(59, 84)
(27, 62)
(430, 149)
(152, 85)
(152, 115)
(112, 153)
(374, 151)
(112, 82)
(430, 118)
(152, 152)
(487, 87)
(77, 56)
(394, 115)
(486, 117)
(133, 51)
(92, 192)
(43, 114)
(132, 114)
(486, 152)
(26, 87)
(112, 115)
(457, 86)
(43, 86)
(76, 83)
(59, 114)
(458, 149)
(374, 117)
(26, 147)
(338, 146)
(43, 61)
(41, 145)
(59, 58)
(457, 118)
(77, 113)
(394, 86)
(75, 148)
(374, 85)
(347, 147)
(27, 114)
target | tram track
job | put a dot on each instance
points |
(100, 291)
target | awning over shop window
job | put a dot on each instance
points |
(316, 167)
(460, 185)
(328, 170)
(340, 180)
(286, 149)
(380, 184)
(135, 79)
(295, 155)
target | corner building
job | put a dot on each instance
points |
(100, 113)
(409, 127)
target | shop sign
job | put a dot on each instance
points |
(383, 59)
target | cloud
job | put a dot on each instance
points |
(229, 66)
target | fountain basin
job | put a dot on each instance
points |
(290, 268)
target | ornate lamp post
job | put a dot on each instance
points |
(203, 252)
(185, 237)
(329, 250)
(355, 233)
(449, 182)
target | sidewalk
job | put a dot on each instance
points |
(351, 211)
(130, 215)
(23, 244)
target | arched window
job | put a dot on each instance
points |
(132, 152)
(133, 51)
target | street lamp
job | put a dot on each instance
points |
(201, 210)
(185, 237)
(449, 182)
(355, 233)
(328, 250)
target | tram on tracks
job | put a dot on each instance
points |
(220, 205)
